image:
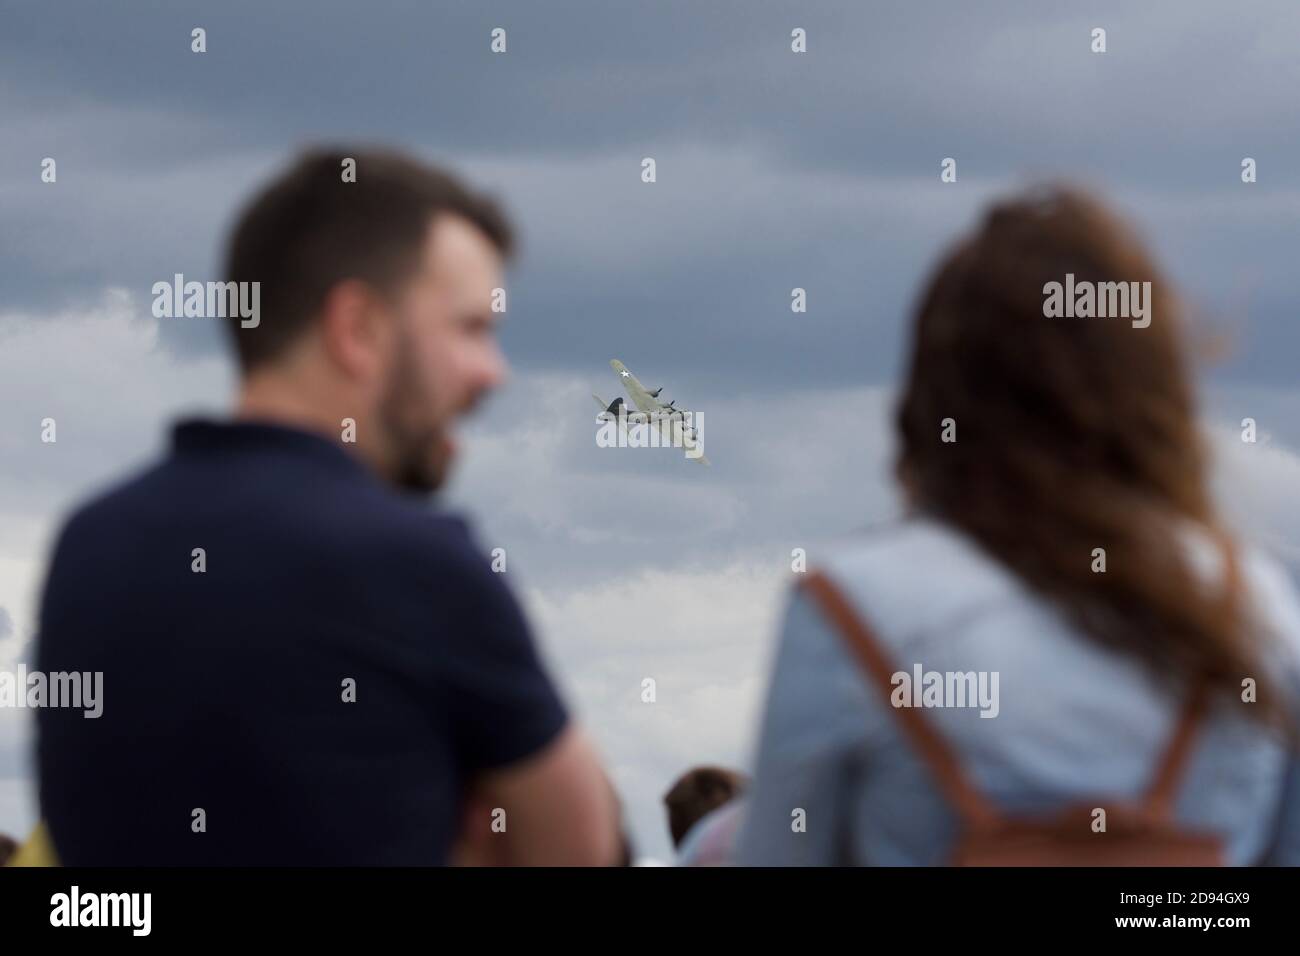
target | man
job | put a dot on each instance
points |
(303, 664)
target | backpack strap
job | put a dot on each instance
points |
(971, 806)
(1158, 803)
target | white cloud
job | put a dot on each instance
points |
(702, 635)
(1256, 485)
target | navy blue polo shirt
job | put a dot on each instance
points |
(229, 690)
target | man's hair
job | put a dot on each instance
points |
(698, 792)
(309, 230)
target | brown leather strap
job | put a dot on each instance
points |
(969, 803)
(1159, 801)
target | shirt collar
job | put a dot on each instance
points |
(203, 436)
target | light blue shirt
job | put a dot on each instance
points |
(835, 782)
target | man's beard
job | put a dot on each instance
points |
(420, 454)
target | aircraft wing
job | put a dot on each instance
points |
(692, 436)
(642, 399)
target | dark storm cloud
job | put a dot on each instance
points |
(776, 170)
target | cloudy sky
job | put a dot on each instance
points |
(775, 170)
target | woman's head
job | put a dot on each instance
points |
(1065, 443)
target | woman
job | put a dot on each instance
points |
(1062, 574)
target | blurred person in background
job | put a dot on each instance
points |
(705, 807)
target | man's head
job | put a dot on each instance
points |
(697, 793)
(376, 303)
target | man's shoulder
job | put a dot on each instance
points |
(404, 549)
(387, 526)
(117, 502)
(360, 525)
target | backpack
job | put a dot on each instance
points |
(1136, 834)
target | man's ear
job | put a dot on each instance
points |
(355, 330)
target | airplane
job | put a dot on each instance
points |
(649, 410)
